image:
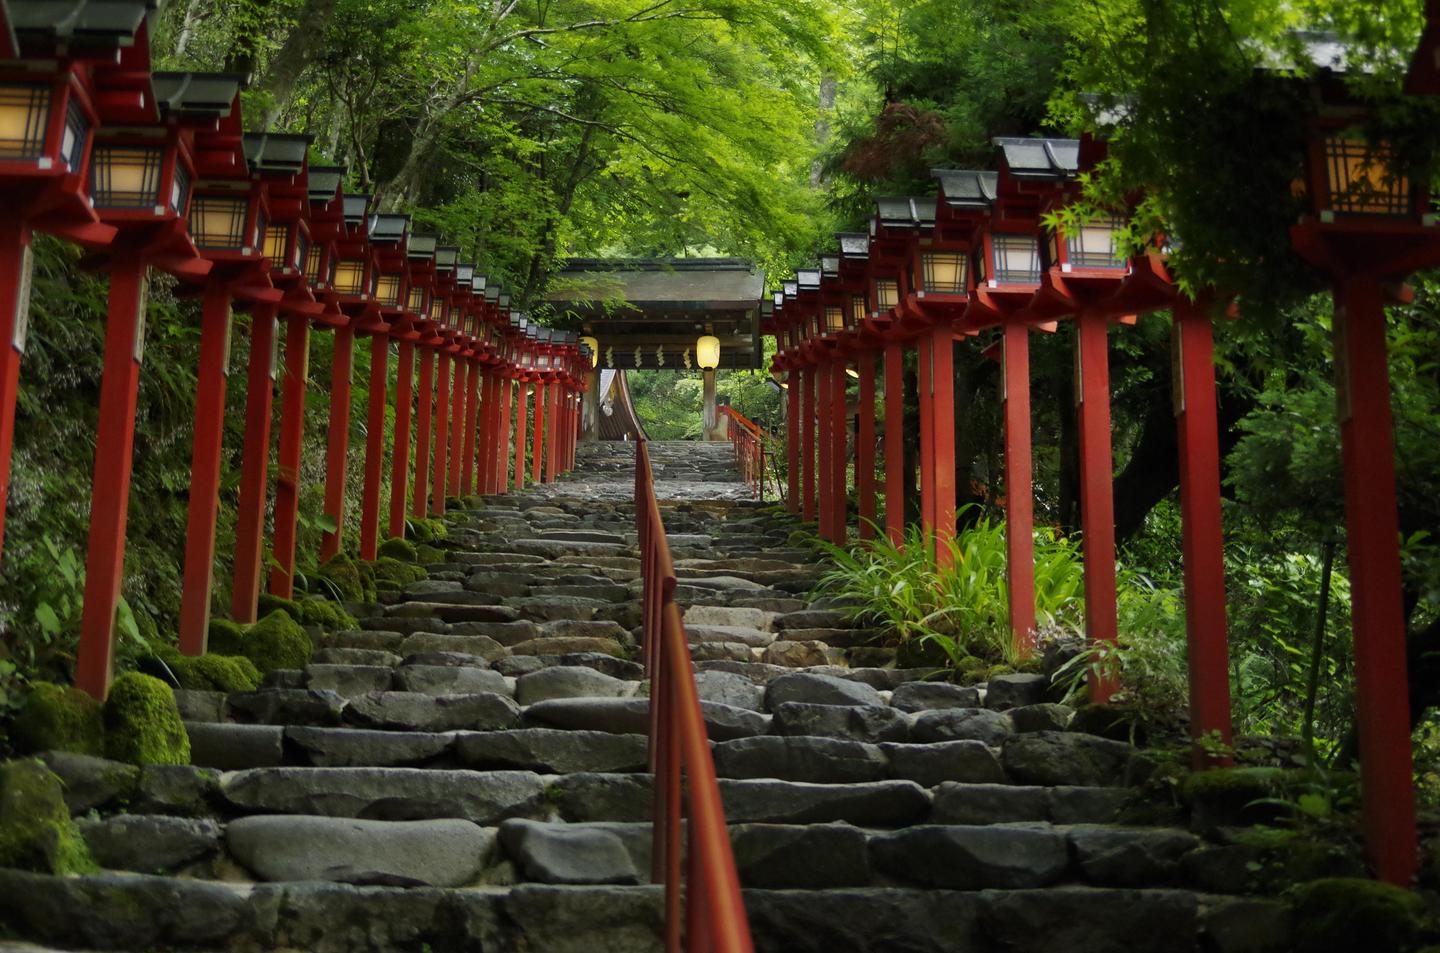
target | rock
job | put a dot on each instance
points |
(989, 804)
(408, 711)
(147, 843)
(928, 765)
(546, 608)
(506, 633)
(90, 782)
(1082, 805)
(438, 853)
(720, 652)
(392, 794)
(728, 688)
(820, 760)
(127, 912)
(1014, 691)
(568, 682)
(1246, 925)
(1132, 857)
(601, 919)
(143, 724)
(865, 920)
(603, 797)
(972, 858)
(730, 615)
(584, 629)
(875, 803)
(1057, 757)
(962, 724)
(795, 654)
(347, 681)
(1155, 921)
(180, 789)
(869, 723)
(632, 716)
(350, 747)
(811, 856)
(351, 656)
(514, 666)
(287, 706)
(341, 918)
(230, 747)
(606, 664)
(819, 690)
(552, 751)
(567, 645)
(450, 680)
(923, 696)
(481, 645)
(196, 705)
(1044, 717)
(566, 854)
(812, 619)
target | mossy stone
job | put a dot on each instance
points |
(397, 548)
(275, 642)
(972, 669)
(59, 718)
(142, 722)
(428, 530)
(214, 672)
(1226, 796)
(1116, 722)
(36, 831)
(343, 572)
(269, 604)
(324, 613)
(920, 653)
(396, 573)
(223, 632)
(1343, 914)
(425, 555)
(995, 671)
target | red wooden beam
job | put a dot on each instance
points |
(942, 382)
(553, 437)
(110, 492)
(423, 435)
(254, 465)
(488, 398)
(472, 410)
(537, 447)
(793, 439)
(400, 456)
(1019, 499)
(839, 430)
(374, 446)
(205, 450)
(824, 437)
(807, 444)
(865, 446)
(895, 443)
(521, 432)
(502, 434)
(16, 264)
(438, 472)
(337, 439)
(458, 389)
(1097, 494)
(292, 438)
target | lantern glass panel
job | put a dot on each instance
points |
(416, 304)
(276, 238)
(349, 277)
(302, 252)
(125, 176)
(1095, 245)
(887, 294)
(1017, 259)
(217, 222)
(387, 289)
(314, 267)
(179, 189)
(857, 310)
(834, 320)
(944, 272)
(1360, 181)
(77, 131)
(24, 114)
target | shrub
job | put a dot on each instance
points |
(275, 642)
(397, 548)
(142, 723)
(55, 717)
(36, 831)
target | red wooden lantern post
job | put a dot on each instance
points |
(541, 377)
(1367, 227)
(525, 360)
(313, 212)
(506, 385)
(885, 262)
(140, 177)
(478, 329)
(229, 223)
(462, 310)
(851, 269)
(51, 100)
(420, 260)
(431, 340)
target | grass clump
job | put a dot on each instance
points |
(36, 831)
(59, 718)
(142, 723)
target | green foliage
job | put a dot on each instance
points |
(1340, 914)
(275, 642)
(56, 717)
(142, 722)
(36, 832)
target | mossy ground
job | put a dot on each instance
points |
(36, 832)
(142, 722)
(55, 717)
(1343, 915)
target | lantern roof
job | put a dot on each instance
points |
(830, 266)
(790, 288)
(464, 275)
(277, 153)
(356, 207)
(196, 96)
(324, 182)
(78, 25)
(492, 294)
(421, 247)
(767, 308)
(385, 227)
(907, 212)
(446, 256)
(808, 279)
(854, 244)
(1040, 158)
(965, 188)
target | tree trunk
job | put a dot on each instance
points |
(289, 64)
(828, 87)
(403, 188)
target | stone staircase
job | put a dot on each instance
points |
(466, 772)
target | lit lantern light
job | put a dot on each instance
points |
(1358, 181)
(348, 276)
(221, 222)
(942, 272)
(387, 290)
(834, 319)
(134, 177)
(1013, 260)
(707, 352)
(1095, 244)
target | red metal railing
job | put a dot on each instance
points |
(713, 914)
(749, 442)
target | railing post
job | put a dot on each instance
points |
(839, 456)
(1097, 495)
(537, 445)
(807, 444)
(374, 445)
(458, 389)
(400, 455)
(423, 433)
(337, 444)
(287, 460)
(824, 438)
(254, 465)
(865, 447)
(521, 433)
(793, 440)
(502, 434)
(439, 471)
(895, 443)
(1019, 505)
(472, 410)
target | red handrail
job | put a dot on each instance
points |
(714, 914)
(749, 442)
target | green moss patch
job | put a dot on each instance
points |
(211, 673)
(1342, 914)
(275, 642)
(343, 572)
(1236, 796)
(397, 548)
(427, 530)
(56, 718)
(269, 604)
(426, 555)
(394, 573)
(328, 615)
(36, 832)
(142, 723)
